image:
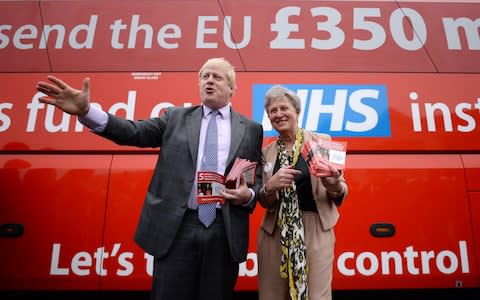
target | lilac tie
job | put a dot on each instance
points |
(207, 212)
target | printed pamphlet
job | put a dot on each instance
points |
(211, 184)
(320, 153)
(209, 187)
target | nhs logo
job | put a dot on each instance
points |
(338, 110)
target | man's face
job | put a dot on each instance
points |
(215, 91)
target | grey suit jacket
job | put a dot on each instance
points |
(177, 133)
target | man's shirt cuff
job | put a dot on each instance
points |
(95, 119)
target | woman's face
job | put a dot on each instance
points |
(282, 115)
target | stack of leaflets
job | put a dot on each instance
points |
(211, 184)
(241, 166)
(320, 154)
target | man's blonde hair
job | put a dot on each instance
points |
(229, 70)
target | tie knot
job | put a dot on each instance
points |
(214, 113)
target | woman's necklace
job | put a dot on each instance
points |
(296, 146)
(291, 157)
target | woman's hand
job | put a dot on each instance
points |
(333, 183)
(283, 178)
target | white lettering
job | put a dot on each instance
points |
(283, 29)
(451, 257)
(417, 121)
(90, 33)
(464, 256)
(426, 256)
(125, 263)
(397, 27)
(49, 120)
(25, 32)
(342, 263)
(362, 265)
(249, 267)
(134, 28)
(100, 255)
(432, 111)
(316, 106)
(33, 108)
(4, 40)
(116, 28)
(337, 36)
(377, 33)
(73, 37)
(397, 260)
(366, 263)
(157, 109)
(470, 121)
(371, 116)
(79, 260)
(149, 263)
(54, 267)
(410, 256)
(5, 120)
(470, 28)
(83, 263)
(202, 31)
(247, 33)
(129, 107)
(168, 31)
(60, 29)
(303, 94)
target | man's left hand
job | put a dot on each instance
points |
(239, 196)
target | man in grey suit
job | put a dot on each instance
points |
(192, 261)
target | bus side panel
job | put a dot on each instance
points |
(59, 201)
(21, 59)
(131, 267)
(424, 198)
(472, 174)
(453, 57)
(472, 171)
(475, 210)
(271, 36)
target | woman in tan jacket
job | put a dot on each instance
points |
(295, 244)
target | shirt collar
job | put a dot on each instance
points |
(224, 111)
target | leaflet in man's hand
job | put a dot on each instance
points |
(320, 153)
(209, 187)
(211, 184)
(241, 166)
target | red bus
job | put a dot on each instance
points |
(397, 80)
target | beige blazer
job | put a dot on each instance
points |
(326, 208)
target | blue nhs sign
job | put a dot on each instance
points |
(338, 110)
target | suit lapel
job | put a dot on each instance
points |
(238, 131)
(270, 158)
(193, 123)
